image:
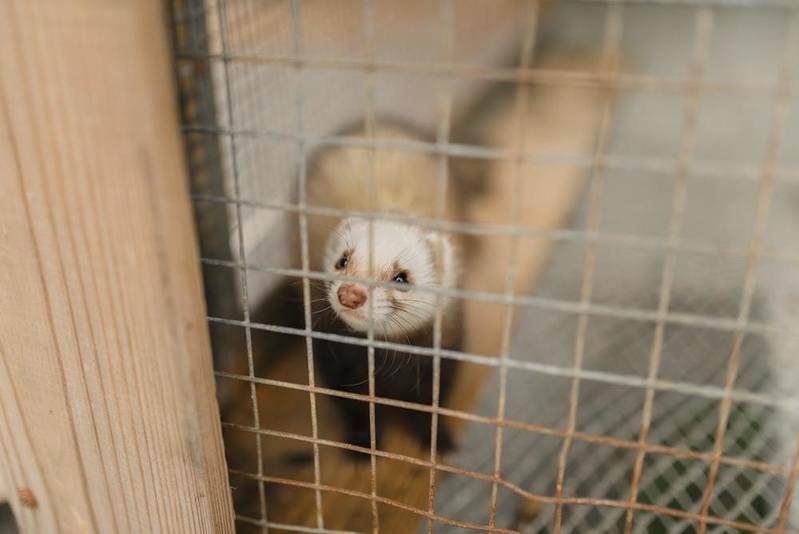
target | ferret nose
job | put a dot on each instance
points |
(351, 296)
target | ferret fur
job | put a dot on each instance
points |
(404, 182)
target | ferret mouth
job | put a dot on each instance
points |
(355, 314)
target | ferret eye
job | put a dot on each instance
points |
(342, 261)
(401, 277)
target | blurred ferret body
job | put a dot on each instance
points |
(403, 258)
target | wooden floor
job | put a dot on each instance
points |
(562, 120)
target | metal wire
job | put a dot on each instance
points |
(607, 310)
(447, 17)
(703, 22)
(369, 123)
(611, 47)
(662, 444)
(538, 76)
(765, 194)
(477, 229)
(633, 163)
(746, 527)
(521, 113)
(245, 298)
(306, 286)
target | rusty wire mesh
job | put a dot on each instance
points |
(654, 367)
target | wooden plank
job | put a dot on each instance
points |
(107, 407)
(4, 485)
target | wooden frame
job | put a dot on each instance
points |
(108, 415)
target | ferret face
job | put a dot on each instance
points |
(402, 254)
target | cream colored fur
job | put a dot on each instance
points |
(404, 181)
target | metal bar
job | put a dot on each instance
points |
(703, 27)
(296, 35)
(765, 193)
(498, 229)
(446, 14)
(606, 310)
(611, 54)
(578, 501)
(521, 109)
(369, 14)
(712, 392)
(531, 75)
(245, 297)
(520, 425)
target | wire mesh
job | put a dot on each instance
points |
(647, 383)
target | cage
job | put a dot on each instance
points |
(628, 285)
(632, 370)
(616, 351)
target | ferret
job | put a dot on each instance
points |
(405, 256)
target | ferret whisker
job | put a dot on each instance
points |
(405, 314)
(409, 306)
(395, 320)
(397, 324)
(385, 359)
(418, 302)
(415, 306)
(411, 300)
(416, 314)
(406, 326)
(393, 359)
(353, 384)
(407, 340)
(409, 357)
(418, 375)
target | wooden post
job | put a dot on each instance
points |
(108, 418)
(3, 488)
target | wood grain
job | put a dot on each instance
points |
(107, 405)
(4, 485)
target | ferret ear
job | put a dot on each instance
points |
(443, 253)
